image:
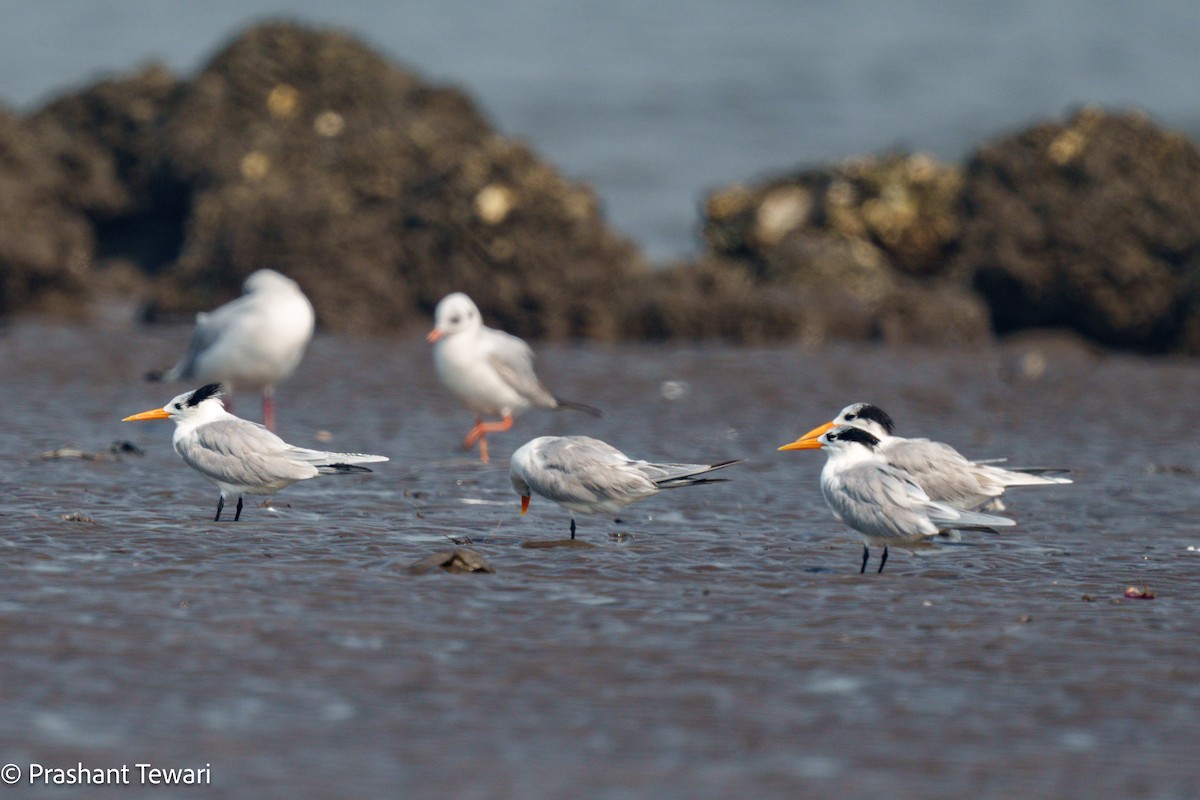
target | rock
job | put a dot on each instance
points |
(855, 251)
(107, 139)
(460, 559)
(46, 246)
(1093, 225)
(379, 193)
(903, 206)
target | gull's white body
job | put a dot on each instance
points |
(490, 371)
(585, 475)
(253, 342)
(241, 457)
(946, 475)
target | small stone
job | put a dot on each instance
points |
(460, 559)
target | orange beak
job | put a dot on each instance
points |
(817, 431)
(154, 413)
(433, 336)
(804, 443)
(524, 504)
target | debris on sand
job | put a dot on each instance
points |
(460, 559)
(114, 452)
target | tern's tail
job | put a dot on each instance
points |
(595, 412)
(672, 476)
(1034, 476)
(946, 517)
(336, 461)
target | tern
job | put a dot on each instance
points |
(490, 371)
(585, 475)
(253, 342)
(946, 475)
(881, 502)
(242, 457)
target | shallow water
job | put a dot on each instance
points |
(722, 645)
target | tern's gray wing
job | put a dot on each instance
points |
(512, 358)
(242, 453)
(944, 473)
(581, 470)
(670, 476)
(880, 502)
(319, 458)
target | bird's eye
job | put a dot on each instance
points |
(454, 320)
(850, 417)
(179, 406)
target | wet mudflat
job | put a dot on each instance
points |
(719, 642)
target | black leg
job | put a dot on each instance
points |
(572, 527)
(866, 555)
(220, 505)
(238, 515)
(883, 560)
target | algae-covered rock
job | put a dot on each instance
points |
(857, 250)
(379, 193)
(1092, 224)
(46, 246)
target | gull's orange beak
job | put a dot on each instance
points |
(524, 504)
(815, 432)
(804, 443)
(154, 413)
(433, 336)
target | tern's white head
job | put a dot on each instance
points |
(196, 407)
(865, 416)
(454, 314)
(520, 461)
(841, 442)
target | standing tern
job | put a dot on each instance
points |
(944, 473)
(253, 342)
(585, 475)
(878, 500)
(490, 371)
(242, 457)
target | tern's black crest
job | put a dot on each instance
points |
(847, 433)
(203, 393)
(874, 413)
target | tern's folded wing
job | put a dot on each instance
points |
(242, 453)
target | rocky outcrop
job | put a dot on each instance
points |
(1093, 225)
(107, 142)
(308, 153)
(855, 251)
(304, 151)
(46, 246)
